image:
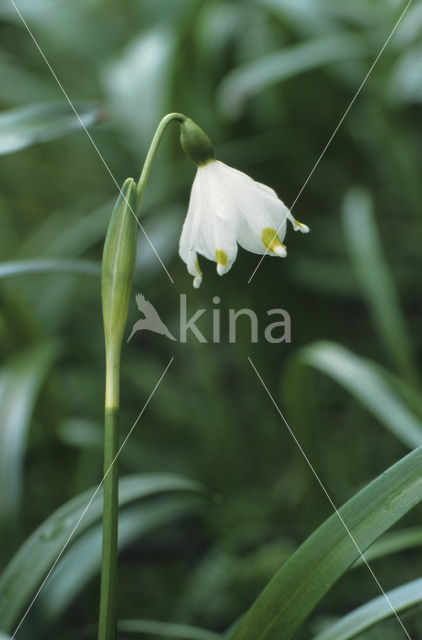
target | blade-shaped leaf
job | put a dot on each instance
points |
(372, 612)
(20, 382)
(152, 627)
(313, 569)
(54, 236)
(28, 267)
(30, 565)
(25, 126)
(366, 382)
(252, 78)
(128, 80)
(392, 543)
(168, 629)
(375, 279)
(83, 560)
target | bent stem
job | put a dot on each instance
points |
(116, 282)
(152, 151)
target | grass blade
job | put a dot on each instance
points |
(31, 563)
(367, 615)
(82, 561)
(167, 629)
(252, 78)
(22, 127)
(20, 383)
(366, 382)
(28, 267)
(393, 542)
(375, 278)
(314, 568)
(152, 627)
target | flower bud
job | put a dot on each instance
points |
(195, 143)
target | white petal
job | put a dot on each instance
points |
(190, 232)
(280, 250)
(298, 226)
(228, 207)
(278, 213)
(191, 224)
(217, 238)
(255, 206)
(257, 214)
(274, 206)
(267, 190)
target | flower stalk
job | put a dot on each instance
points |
(226, 208)
(152, 151)
(116, 282)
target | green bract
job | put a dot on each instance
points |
(117, 272)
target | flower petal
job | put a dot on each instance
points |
(228, 207)
(256, 208)
(298, 226)
(190, 232)
(191, 224)
(272, 242)
(217, 237)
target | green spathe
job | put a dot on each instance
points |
(195, 143)
(116, 279)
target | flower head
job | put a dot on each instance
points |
(227, 208)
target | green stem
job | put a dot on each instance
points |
(107, 618)
(146, 169)
(117, 273)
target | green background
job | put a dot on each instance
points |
(268, 80)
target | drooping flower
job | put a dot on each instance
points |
(227, 208)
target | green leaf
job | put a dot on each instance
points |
(28, 267)
(367, 615)
(31, 564)
(366, 382)
(83, 560)
(169, 629)
(54, 236)
(323, 558)
(20, 128)
(306, 18)
(252, 78)
(20, 383)
(392, 543)
(128, 76)
(375, 279)
(153, 627)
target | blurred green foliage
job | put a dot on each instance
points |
(268, 80)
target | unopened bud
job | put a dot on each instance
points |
(195, 143)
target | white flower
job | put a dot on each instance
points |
(228, 208)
